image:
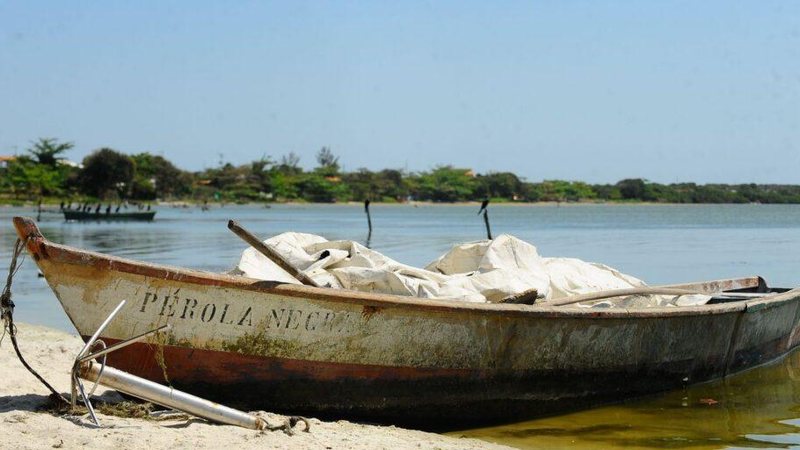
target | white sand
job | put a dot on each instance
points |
(51, 352)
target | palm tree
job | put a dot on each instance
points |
(46, 150)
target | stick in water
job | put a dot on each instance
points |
(267, 251)
(369, 222)
(485, 210)
(369, 219)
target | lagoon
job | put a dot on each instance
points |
(658, 243)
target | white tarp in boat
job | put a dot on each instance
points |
(481, 271)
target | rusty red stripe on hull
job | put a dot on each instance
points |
(190, 364)
(324, 389)
(420, 397)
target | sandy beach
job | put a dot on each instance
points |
(50, 352)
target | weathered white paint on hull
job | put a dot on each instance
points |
(265, 324)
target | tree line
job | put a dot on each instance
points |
(110, 175)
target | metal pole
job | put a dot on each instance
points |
(74, 382)
(86, 401)
(102, 328)
(169, 397)
(122, 344)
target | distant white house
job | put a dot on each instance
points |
(66, 162)
(4, 160)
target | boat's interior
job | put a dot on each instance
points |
(762, 290)
(727, 291)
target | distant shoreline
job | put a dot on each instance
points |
(143, 177)
(48, 205)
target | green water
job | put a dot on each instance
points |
(759, 408)
(660, 244)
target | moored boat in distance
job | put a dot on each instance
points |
(75, 215)
(428, 363)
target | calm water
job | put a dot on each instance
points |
(660, 244)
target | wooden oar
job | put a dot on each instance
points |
(267, 251)
(654, 290)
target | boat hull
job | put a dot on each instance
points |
(84, 216)
(432, 364)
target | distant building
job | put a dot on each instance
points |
(4, 160)
(66, 162)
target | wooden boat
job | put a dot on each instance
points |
(85, 216)
(429, 363)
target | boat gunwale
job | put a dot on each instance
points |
(41, 248)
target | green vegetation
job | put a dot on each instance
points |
(109, 175)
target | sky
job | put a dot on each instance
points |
(593, 90)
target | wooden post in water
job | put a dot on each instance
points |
(485, 210)
(369, 221)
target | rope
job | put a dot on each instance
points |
(7, 314)
(287, 426)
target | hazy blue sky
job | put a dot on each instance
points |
(703, 91)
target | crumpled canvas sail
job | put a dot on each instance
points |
(481, 271)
